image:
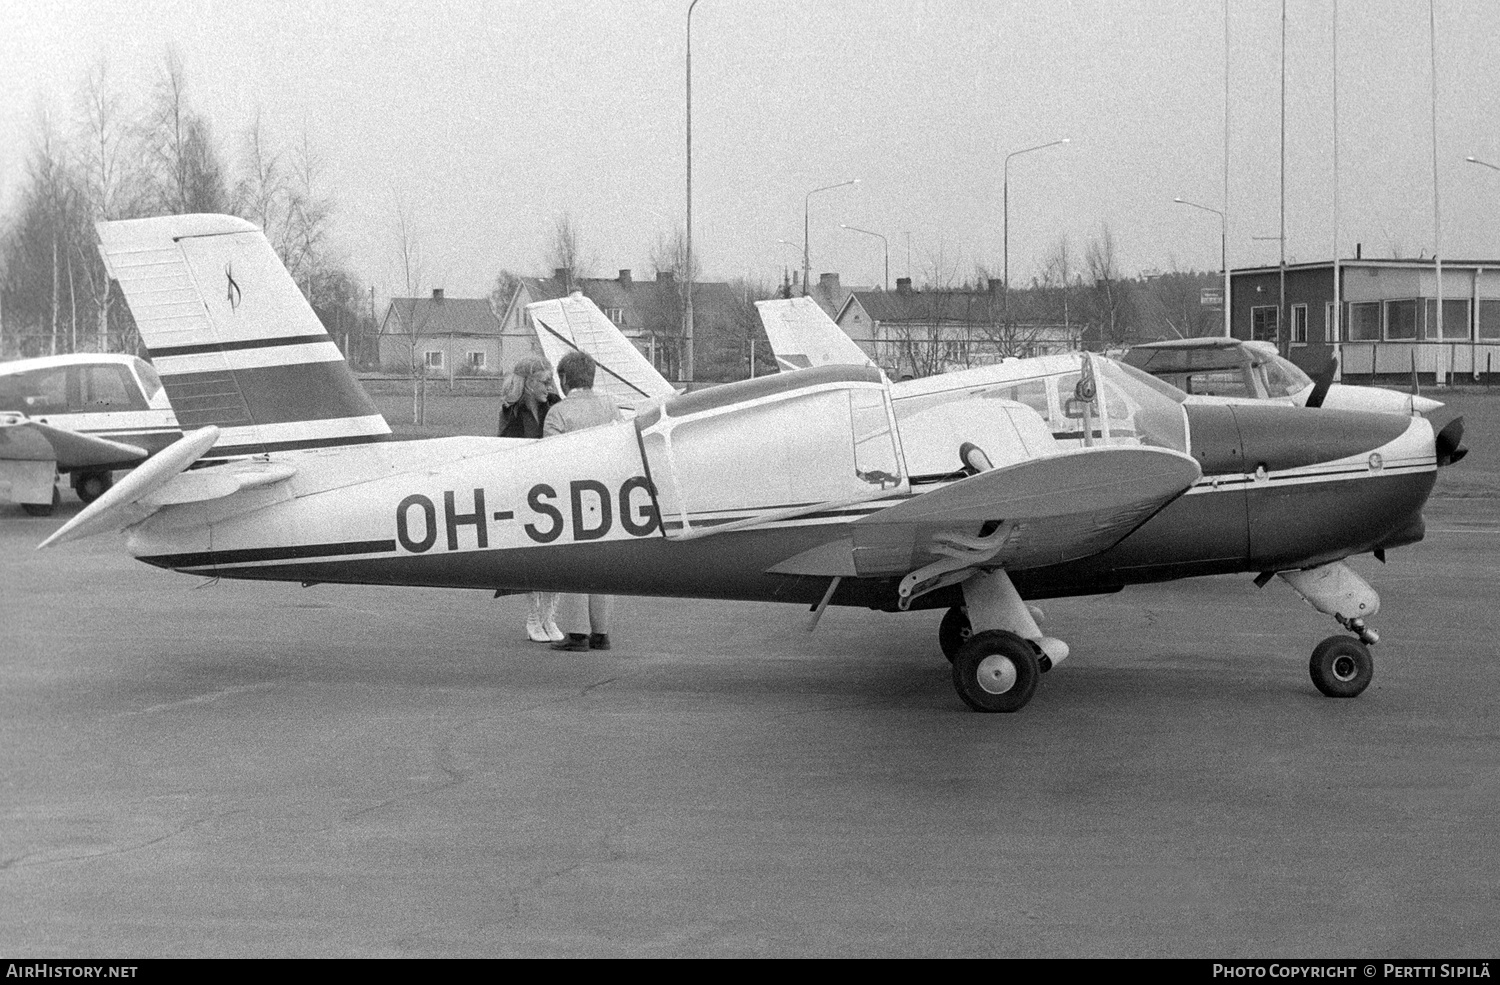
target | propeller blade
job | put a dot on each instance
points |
(1322, 382)
(1450, 443)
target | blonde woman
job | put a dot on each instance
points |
(526, 394)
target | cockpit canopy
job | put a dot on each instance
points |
(1220, 367)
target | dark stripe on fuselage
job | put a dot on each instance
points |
(267, 395)
(196, 350)
(302, 551)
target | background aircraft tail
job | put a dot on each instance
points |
(575, 322)
(801, 335)
(236, 344)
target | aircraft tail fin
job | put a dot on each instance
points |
(801, 335)
(236, 344)
(575, 322)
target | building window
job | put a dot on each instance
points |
(1363, 323)
(474, 360)
(1401, 320)
(1455, 319)
(1263, 324)
(1328, 332)
(616, 315)
(433, 359)
(1299, 324)
(1489, 320)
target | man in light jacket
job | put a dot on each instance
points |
(585, 618)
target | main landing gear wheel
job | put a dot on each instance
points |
(1341, 667)
(954, 631)
(995, 671)
(91, 485)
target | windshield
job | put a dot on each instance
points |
(1149, 410)
(1283, 377)
(150, 382)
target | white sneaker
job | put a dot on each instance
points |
(537, 632)
(554, 634)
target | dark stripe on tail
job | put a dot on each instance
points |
(267, 395)
(195, 350)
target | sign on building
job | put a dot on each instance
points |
(1211, 297)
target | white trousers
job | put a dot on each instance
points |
(584, 613)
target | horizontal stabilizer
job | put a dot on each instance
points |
(22, 439)
(205, 484)
(576, 323)
(124, 502)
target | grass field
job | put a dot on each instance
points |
(472, 407)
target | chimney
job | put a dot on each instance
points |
(625, 278)
(665, 277)
(830, 284)
(996, 285)
(796, 278)
(903, 285)
(437, 294)
(560, 274)
(1359, 250)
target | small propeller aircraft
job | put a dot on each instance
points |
(1234, 368)
(806, 487)
(85, 414)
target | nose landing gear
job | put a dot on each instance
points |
(1341, 666)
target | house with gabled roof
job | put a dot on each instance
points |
(918, 333)
(442, 335)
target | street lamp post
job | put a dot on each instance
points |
(687, 311)
(1223, 252)
(887, 245)
(805, 265)
(1005, 220)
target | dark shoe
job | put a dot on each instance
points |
(574, 643)
(599, 641)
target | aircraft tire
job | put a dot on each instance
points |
(43, 509)
(995, 671)
(954, 631)
(91, 485)
(1341, 667)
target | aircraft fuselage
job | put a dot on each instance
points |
(577, 513)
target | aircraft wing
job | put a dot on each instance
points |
(575, 322)
(25, 440)
(801, 335)
(1045, 511)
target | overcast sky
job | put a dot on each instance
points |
(489, 118)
